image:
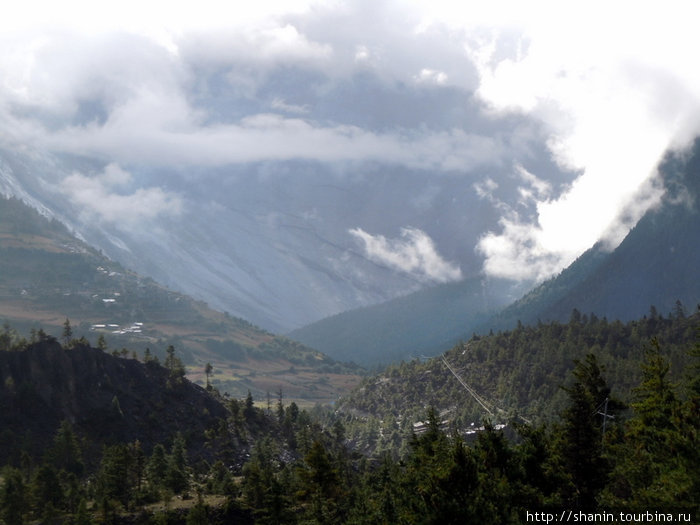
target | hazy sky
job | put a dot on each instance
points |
(605, 88)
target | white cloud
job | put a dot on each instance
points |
(615, 91)
(159, 130)
(485, 188)
(534, 189)
(142, 98)
(517, 253)
(104, 197)
(159, 19)
(281, 105)
(264, 44)
(431, 76)
(362, 54)
(413, 253)
(537, 249)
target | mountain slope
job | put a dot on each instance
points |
(420, 323)
(107, 399)
(268, 242)
(655, 265)
(47, 275)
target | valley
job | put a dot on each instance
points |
(48, 276)
(349, 263)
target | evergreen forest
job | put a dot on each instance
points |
(616, 436)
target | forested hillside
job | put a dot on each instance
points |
(90, 437)
(520, 371)
(596, 456)
(106, 399)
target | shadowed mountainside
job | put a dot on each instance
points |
(107, 400)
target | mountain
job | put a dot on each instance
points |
(47, 276)
(279, 243)
(406, 327)
(655, 265)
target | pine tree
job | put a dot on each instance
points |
(280, 407)
(580, 443)
(138, 465)
(65, 453)
(542, 475)
(67, 332)
(177, 475)
(320, 485)
(248, 409)
(266, 490)
(174, 366)
(208, 369)
(157, 466)
(46, 490)
(656, 459)
(13, 497)
(113, 477)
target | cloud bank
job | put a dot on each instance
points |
(615, 92)
(447, 89)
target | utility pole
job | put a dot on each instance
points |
(605, 415)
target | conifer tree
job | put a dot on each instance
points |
(46, 489)
(320, 485)
(157, 466)
(580, 442)
(13, 497)
(208, 369)
(655, 462)
(280, 407)
(67, 332)
(264, 488)
(138, 465)
(174, 366)
(113, 477)
(248, 409)
(66, 453)
(177, 476)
